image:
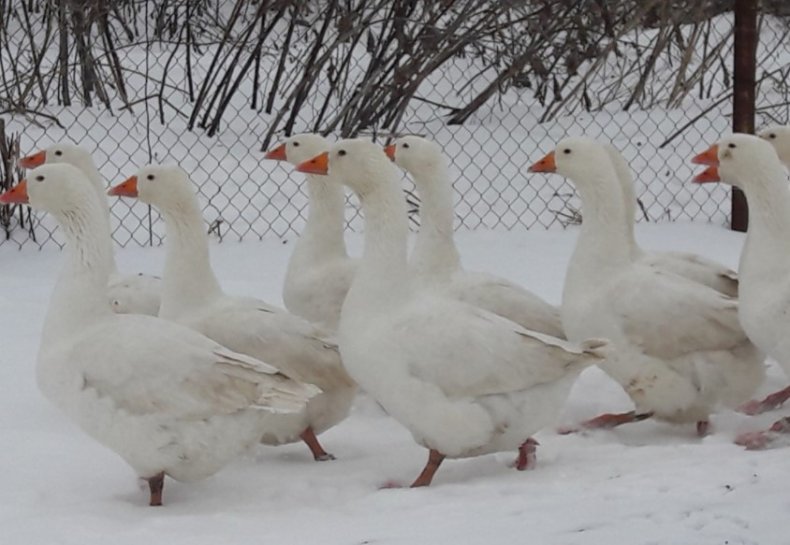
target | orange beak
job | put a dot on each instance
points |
(547, 164)
(125, 189)
(709, 175)
(317, 165)
(278, 153)
(34, 160)
(390, 151)
(708, 157)
(16, 195)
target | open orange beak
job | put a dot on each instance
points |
(547, 164)
(34, 160)
(16, 195)
(390, 151)
(709, 175)
(317, 165)
(708, 157)
(278, 153)
(125, 189)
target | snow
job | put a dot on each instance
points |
(646, 483)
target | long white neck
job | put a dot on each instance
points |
(80, 295)
(435, 256)
(629, 208)
(626, 184)
(382, 279)
(766, 248)
(602, 248)
(322, 237)
(90, 170)
(188, 281)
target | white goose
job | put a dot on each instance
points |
(128, 294)
(779, 137)
(435, 257)
(464, 381)
(764, 310)
(192, 296)
(319, 271)
(687, 265)
(168, 400)
(680, 348)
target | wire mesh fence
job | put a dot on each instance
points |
(210, 85)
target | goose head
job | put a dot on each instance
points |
(414, 153)
(60, 153)
(361, 164)
(54, 188)
(583, 160)
(737, 160)
(779, 137)
(299, 148)
(166, 187)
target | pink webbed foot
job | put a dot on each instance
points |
(755, 440)
(775, 436)
(606, 421)
(771, 402)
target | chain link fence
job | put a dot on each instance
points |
(210, 85)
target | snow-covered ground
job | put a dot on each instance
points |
(646, 483)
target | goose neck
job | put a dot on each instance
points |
(629, 208)
(604, 244)
(80, 295)
(435, 252)
(90, 170)
(769, 220)
(323, 232)
(382, 277)
(188, 280)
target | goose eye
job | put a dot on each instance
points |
(731, 145)
(296, 144)
(566, 151)
(150, 177)
(341, 153)
(772, 135)
(39, 178)
(405, 145)
(58, 153)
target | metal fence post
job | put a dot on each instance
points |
(743, 96)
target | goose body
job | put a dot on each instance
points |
(680, 350)
(435, 257)
(462, 380)
(128, 294)
(750, 163)
(319, 271)
(165, 398)
(192, 296)
(691, 266)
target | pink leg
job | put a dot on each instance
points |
(771, 402)
(435, 459)
(760, 440)
(526, 455)
(319, 454)
(156, 484)
(607, 421)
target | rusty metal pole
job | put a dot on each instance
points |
(743, 101)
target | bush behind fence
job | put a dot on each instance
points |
(211, 84)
